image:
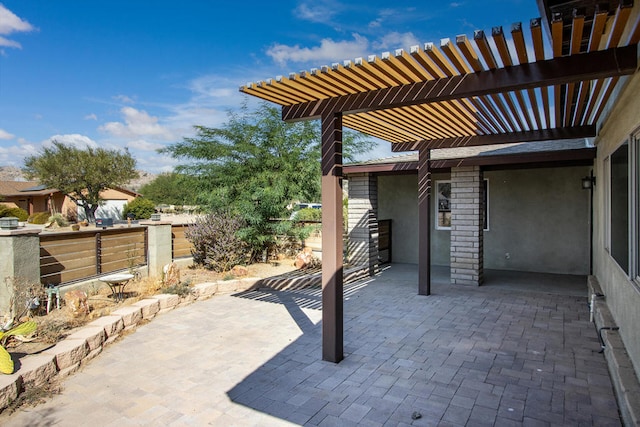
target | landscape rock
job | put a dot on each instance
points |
(76, 302)
(240, 271)
(171, 274)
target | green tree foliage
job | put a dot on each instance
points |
(81, 174)
(255, 164)
(140, 208)
(171, 189)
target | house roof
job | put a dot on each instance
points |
(23, 189)
(539, 152)
(34, 188)
(462, 92)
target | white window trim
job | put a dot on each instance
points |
(436, 203)
(486, 208)
(444, 181)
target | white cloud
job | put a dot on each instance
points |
(317, 11)
(395, 40)
(328, 50)
(137, 123)
(74, 139)
(11, 23)
(91, 116)
(124, 99)
(143, 145)
(5, 135)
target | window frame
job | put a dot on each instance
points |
(437, 204)
(632, 271)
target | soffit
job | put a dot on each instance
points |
(465, 92)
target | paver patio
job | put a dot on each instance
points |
(463, 356)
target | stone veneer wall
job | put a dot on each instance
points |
(466, 226)
(363, 221)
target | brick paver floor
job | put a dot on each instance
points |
(485, 356)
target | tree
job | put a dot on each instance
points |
(81, 174)
(171, 189)
(256, 164)
(139, 208)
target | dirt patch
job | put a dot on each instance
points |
(195, 275)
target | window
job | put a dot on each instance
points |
(635, 206)
(622, 169)
(619, 215)
(443, 200)
(443, 204)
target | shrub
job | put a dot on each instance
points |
(140, 208)
(216, 242)
(58, 219)
(39, 218)
(309, 214)
(19, 213)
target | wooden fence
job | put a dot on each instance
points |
(72, 256)
(180, 246)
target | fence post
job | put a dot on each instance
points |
(98, 253)
(158, 246)
(19, 259)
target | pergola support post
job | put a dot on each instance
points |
(424, 222)
(332, 244)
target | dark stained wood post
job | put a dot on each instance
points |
(424, 222)
(332, 286)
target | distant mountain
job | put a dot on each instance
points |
(12, 173)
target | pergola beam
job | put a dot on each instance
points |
(611, 62)
(500, 138)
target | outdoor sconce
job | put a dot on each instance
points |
(9, 223)
(588, 182)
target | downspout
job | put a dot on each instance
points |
(591, 224)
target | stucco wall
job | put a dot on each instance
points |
(538, 221)
(398, 201)
(540, 217)
(622, 295)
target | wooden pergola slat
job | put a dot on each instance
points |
(588, 66)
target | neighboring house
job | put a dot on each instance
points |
(33, 198)
(499, 88)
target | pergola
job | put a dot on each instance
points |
(488, 90)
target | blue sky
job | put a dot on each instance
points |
(141, 74)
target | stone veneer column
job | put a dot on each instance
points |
(467, 226)
(159, 251)
(19, 260)
(363, 221)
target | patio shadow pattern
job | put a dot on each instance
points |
(464, 356)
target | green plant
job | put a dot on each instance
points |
(39, 218)
(308, 214)
(19, 213)
(181, 289)
(58, 219)
(139, 208)
(24, 329)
